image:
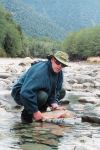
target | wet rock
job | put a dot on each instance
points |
(5, 80)
(85, 85)
(33, 146)
(82, 80)
(96, 84)
(89, 107)
(59, 121)
(78, 86)
(6, 98)
(50, 142)
(11, 69)
(97, 110)
(26, 61)
(48, 121)
(92, 100)
(72, 81)
(80, 148)
(98, 94)
(93, 74)
(91, 119)
(55, 121)
(66, 85)
(62, 102)
(4, 76)
(72, 121)
(57, 132)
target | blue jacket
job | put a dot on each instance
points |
(39, 77)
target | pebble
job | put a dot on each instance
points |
(82, 84)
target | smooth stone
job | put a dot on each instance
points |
(33, 146)
(11, 69)
(84, 79)
(4, 76)
(87, 84)
(6, 98)
(62, 102)
(50, 142)
(72, 121)
(91, 119)
(26, 61)
(92, 100)
(80, 148)
(48, 121)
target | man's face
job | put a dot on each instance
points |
(57, 67)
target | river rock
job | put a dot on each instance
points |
(97, 84)
(4, 76)
(77, 86)
(85, 85)
(80, 148)
(92, 100)
(62, 102)
(66, 85)
(97, 110)
(51, 142)
(91, 119)
(72, 121)
(33, 146)
(85, 79)
(26, 61)
(11, 69)
(6, 98)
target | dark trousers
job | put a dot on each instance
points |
(42, 98)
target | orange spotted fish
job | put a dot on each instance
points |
(58, 113)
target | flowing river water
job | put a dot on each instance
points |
(73, 135)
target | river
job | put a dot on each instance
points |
(73, 134)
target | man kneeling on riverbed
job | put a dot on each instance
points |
(40, 87)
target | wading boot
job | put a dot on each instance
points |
(25, 117)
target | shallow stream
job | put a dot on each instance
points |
(74, 135)
(39, 136)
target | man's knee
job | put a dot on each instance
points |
(62, 94)
(41, 98)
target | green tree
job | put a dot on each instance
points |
(83, 43)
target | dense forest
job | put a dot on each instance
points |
(33, 23)
(53, 18)
(71, 15)
(83, 43)
(14, 42)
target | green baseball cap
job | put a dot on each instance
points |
(60, 56)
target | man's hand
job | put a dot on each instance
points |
(55, 106)
(38, 116)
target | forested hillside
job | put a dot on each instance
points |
(40, 36)
(33, 23)
(14, 43)
(54, 18)
(71, 15)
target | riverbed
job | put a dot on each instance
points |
(82, 83)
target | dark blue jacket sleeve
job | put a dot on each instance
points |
(28, 94)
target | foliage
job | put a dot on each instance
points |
(33, 23)
(44, 46)
(11, 40)
(53, 19)
(83, 43)
(71, 15)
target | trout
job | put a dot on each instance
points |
(58, 113)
